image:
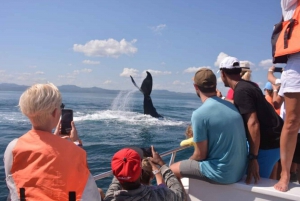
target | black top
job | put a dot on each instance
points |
(249, 98)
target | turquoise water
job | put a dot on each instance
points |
(107, 122)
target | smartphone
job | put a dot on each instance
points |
(278, 69)
(147, 152)
(66, 119)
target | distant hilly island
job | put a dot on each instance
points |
(76, 89)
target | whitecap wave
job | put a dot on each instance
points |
(127, 117)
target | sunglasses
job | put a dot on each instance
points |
(62, 106)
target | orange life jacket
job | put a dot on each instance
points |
(286, 37)
(48, 167)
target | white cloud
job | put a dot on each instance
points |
(86, 70)
(107, 82)
(76, 72)
(220, 57)
(129, 71)
(194, 69)
(106, 48)
(157, 72)
(266, 64)
(157, 29)
(70, 76)
(39, 73)
(177, 82)
(24, 76)
(89, 62)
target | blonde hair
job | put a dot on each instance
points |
(246, 74)
(147, 174)
(39, 101)
(189, 132)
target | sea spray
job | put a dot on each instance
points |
(123, 101)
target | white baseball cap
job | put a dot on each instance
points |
(229, 63)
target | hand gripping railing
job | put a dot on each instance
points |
(172, 151)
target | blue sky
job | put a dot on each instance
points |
(100, 43)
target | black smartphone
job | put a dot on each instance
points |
(66, 119)
(278, 69)
(147, 152)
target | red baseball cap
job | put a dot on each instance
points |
(126, 164)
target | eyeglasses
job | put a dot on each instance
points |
(62, 106)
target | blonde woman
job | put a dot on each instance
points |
(40, 165)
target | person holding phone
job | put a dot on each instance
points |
(126, 184)
(43, 165)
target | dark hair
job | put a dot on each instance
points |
(131, 185)
(207, 90)
(232, 71)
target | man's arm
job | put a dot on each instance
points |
(177, 191)
(254, 142)
(200, 151)
(114, 186)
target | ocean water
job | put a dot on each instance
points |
(107, 122)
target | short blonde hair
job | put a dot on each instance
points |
(39, 101)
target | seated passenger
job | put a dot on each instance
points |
(263, 125)
(220, 154)
(46, 166)
(148, 170)
(189, 137)
(126, 184)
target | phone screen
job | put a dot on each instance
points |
(66, 119)
(278, 69)
(147, 152)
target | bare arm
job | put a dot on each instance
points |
(271, 77)
(254, 142)
(200, 151)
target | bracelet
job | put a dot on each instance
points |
(252, 157)
(275, 90)
(156, 171)
(270, 70)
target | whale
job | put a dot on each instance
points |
(146, 89)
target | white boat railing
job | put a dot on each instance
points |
(172, 152)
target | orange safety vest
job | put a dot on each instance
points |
(48, 167)
(285, 38)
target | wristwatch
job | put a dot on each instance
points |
(156, 171)
(252, 157)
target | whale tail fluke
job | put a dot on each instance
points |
(136, 84)
(147, 84)
(146, 89)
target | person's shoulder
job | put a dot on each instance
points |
(11, 145)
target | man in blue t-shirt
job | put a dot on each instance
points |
(220, 154)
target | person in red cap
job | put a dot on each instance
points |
(126, 165)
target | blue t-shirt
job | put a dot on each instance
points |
(219, 122)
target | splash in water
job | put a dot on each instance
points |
(123, 101)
